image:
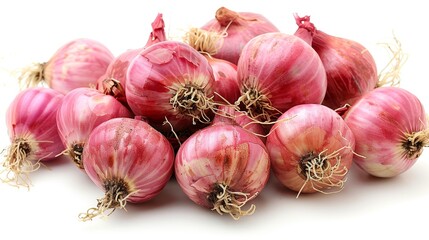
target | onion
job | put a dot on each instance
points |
(277, 71)
(390, 126)
(170, 80)
(78, 63)
(80, 112)
(237, 28)
(129, 160)
(32, 129)
(350, 68)
(311, 149)
(222, 167)
(112, 82)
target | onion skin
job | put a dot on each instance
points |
(82, 110)
(132, 154)
(221, 154)
(383, 122)
(350, 68)
(284, 69)
(304, 129)
(226, 84)
(32, 129)
(244, 26)
(158, 73)
(79, 63)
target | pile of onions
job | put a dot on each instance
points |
(32, 129)
(80, 112)
(129, 160)
(79, 63)
(277, 71)
(390, 127)
(222, 167)
(170, 81)
(112, 82)
(311, 149)
(235, 29)
(350, 68)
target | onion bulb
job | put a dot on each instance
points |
(32, 129)
(311, 149)
(129, 160)
(222, 167)
(390, 126)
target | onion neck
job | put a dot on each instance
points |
(158, 32)
(226, 16)
(306, 29)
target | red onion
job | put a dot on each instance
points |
(78, 63)
(226, 84)
(80, 112)
(170, 80)
(129, 160)
(32, 130)
(350, 68)
(277, 71)
(390, 126)
(237, 28)
(222, 167)
(311, 149)
(112, 82)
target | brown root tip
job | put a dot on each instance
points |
(18, 164)
(324, 177)
(205, 42)
(113, 88)
(226, 201)
(413, 143)
(32, 75)
(115, 197)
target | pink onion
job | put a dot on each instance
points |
(32, 129)
(226, 84)
(79, 63)
(170, 81)
(129, 160)
(222, 167)
(311, 149)
(390, 126)
(80, 112)
(350, 68)
(277, 71)
(112, 82)
(237, 28)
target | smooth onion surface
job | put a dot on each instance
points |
(390, 126)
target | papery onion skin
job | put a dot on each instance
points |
(304, 129)
(350, 68)
(157, 74)
(128, 153)
(32, 129)
(282, 68)
(221, 154)
(382, 121)
(81, 111)
(79, 63)
(243, 27)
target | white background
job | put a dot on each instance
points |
(31, 31)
